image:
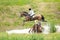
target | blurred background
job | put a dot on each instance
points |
(10, 12)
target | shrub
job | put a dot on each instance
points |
(52, 27)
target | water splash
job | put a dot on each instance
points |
(57, 28)
(22, 31)
(46, 28)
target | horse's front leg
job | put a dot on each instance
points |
(31, 30)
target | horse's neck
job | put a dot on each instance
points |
(26, 14)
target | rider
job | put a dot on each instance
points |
(31, 13)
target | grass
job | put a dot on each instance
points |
(22, 2)
(14, 2)
(52, 36)
(53, 29)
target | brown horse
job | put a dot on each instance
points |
(36, 28)
(28, 18)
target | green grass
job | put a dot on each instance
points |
(52, 36)
(14, 2)
(22, 2)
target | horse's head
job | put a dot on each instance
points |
(23, 14)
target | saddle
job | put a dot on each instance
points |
(31, 17)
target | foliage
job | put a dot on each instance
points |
(52, 28)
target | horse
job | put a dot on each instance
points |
(28, 18)
(37, 28)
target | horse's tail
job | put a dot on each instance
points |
(43, 18)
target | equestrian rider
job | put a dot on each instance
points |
(31, 13)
